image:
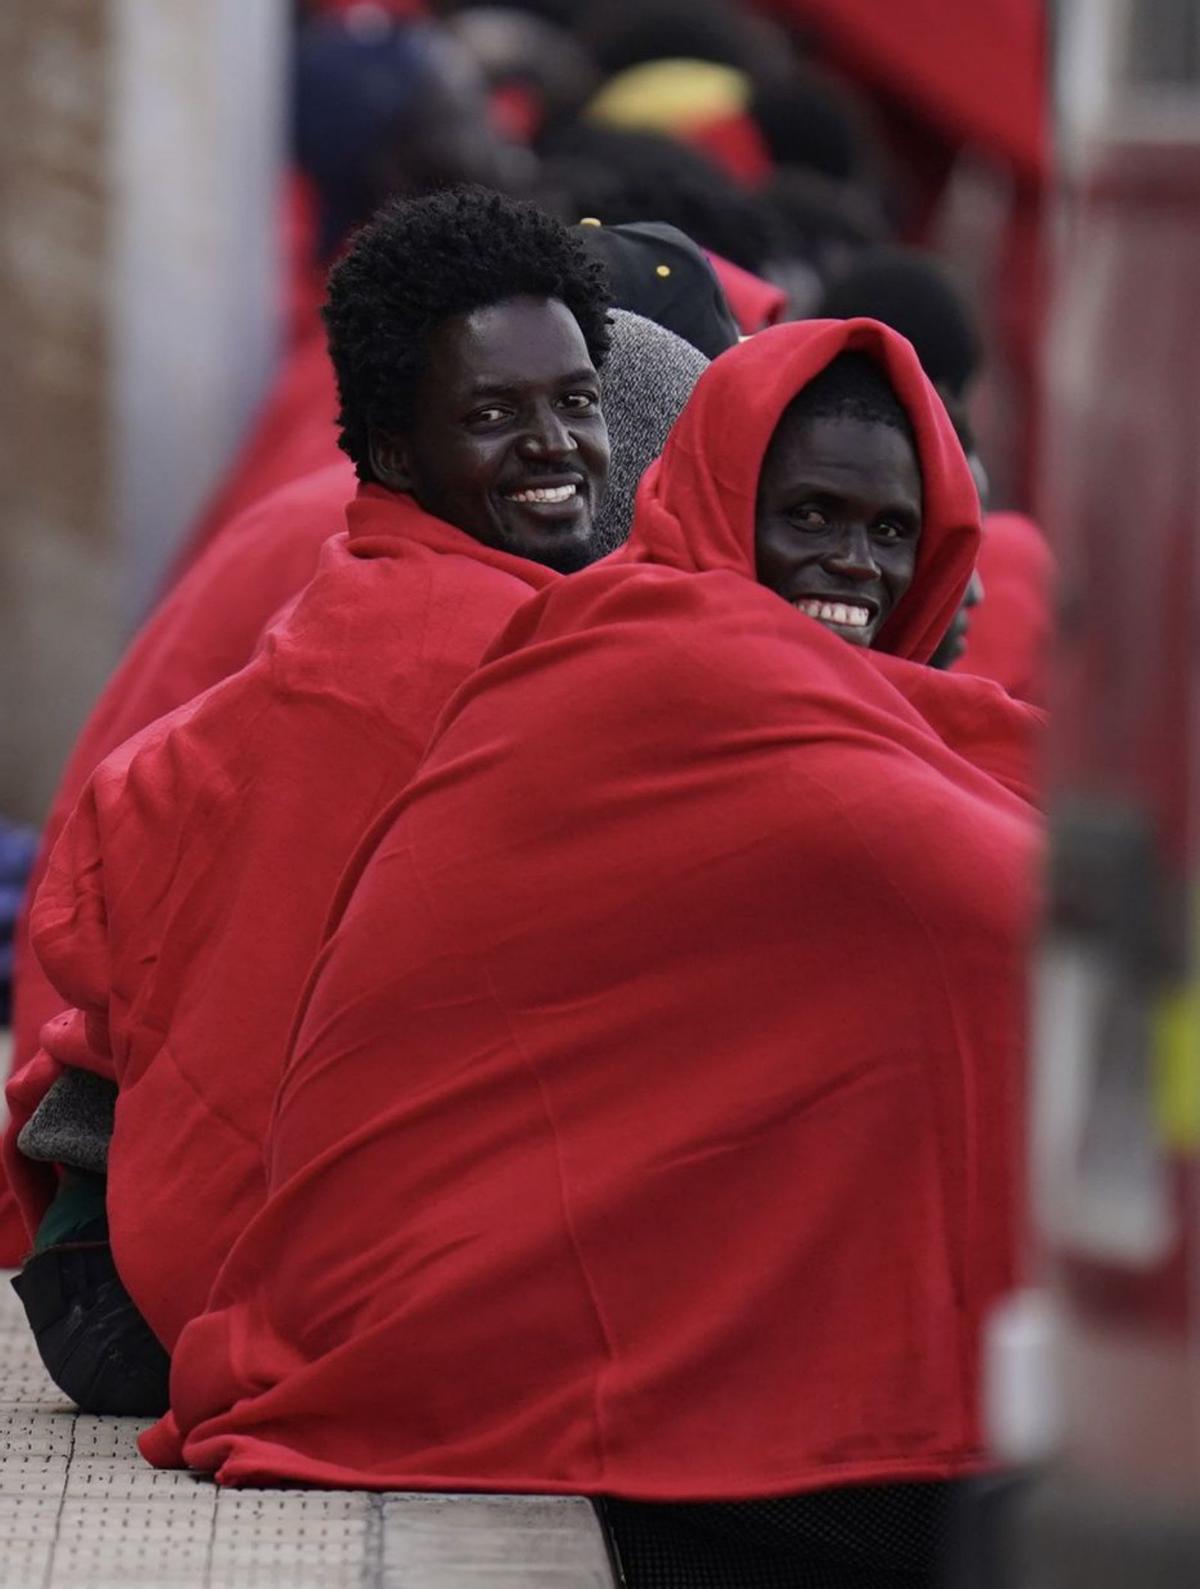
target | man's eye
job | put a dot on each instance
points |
(578, 402)
(488, 416)
(808, 517)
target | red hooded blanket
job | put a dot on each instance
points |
(185, 899)
(650, 1122)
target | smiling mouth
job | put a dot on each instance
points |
(846, 614)
(551, 496)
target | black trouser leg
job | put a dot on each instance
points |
(887, 1536)
(95, 1344)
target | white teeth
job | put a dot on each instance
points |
(544, 494)
(849, 616)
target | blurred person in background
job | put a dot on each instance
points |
(537, 72)
(823, 226)
(632, 33)
(917, 295)
(732, 91)
(622, 176)
(386, 108)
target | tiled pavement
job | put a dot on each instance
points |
(79, 1509)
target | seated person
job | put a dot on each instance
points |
(185, 899)
(650, 1128)
(210, 623)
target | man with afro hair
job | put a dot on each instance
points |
(426, 314)
(185, 900)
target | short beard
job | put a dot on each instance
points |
(570, 559)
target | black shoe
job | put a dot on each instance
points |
(95, 1344)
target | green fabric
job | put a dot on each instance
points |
(77, 1213)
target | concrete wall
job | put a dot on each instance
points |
(138, 289)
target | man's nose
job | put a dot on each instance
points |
(546, 436)
(853, 557)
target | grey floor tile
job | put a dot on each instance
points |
(79, 1509)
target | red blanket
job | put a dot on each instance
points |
(754, 303)
(650, 1126)
(1010, 634)
(202, 632)
(976, 72)
(186, 897)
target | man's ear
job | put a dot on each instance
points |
(391, 461)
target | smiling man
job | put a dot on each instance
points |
(185, 901)
(483, 409)
(838, 519)
(510, 444)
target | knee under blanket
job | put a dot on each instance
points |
(651, 1125)
(186, 897)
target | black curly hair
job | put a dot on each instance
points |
(420, 261)
(854, 386)
(918, 295)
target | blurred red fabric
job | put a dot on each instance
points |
(1010, 634)
(977, 72)
(755, 303)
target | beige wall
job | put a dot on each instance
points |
(58, 630)
(138, 286)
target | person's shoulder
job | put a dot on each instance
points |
(667, 640)
(658, 603)
(149, 769)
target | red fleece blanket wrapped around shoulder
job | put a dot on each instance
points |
(204, 630)
(186, 897)
(651, 1121)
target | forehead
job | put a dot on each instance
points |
(520, 342)
(860, 456)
